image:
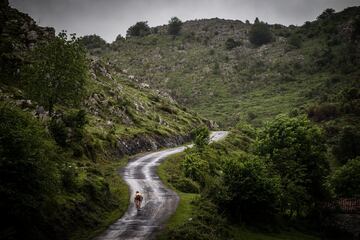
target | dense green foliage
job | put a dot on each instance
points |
(246, 188)
(252, 192)
(28, 173)
(260, 34)
(202, 137)
(347, 146)
(174, 26)
(59, 77)
(44, 193)
(346, 179)
(296, 151)
(140, 29)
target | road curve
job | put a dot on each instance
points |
(159, 202)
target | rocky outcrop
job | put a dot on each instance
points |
(147, 143)
(21, 29)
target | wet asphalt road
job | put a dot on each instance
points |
(159, 202)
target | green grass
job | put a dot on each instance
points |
(185, 208)
(119, 188)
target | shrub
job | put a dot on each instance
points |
(186, 185)
(67, 129)
(216, 69)
(260, 34)
(326, 14)
(323, 112)
(202, 137)
(347, 146)
(252, 193)
(295, 41)
(195, 168)
(346, 180)
(140, 29)
(174, 26)
(231, 43)
(92, 42)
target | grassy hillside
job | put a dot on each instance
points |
(303, 65)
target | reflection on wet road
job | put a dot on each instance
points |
(159, 202)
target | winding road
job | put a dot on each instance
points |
(159, 202)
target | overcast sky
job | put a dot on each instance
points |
(108, 18)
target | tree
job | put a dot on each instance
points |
(326, 14)
(296, 150)
(174, 26)
(346, 180)
(252, 193)
(28, 174)
(195, 167)
(57, 72)
(140, 29)
(93, 41)
(119, 38)
(201, 135)
(347, 145)
(260, 33)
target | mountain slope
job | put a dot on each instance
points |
(247, 82)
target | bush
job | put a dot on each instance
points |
(323, 112)
(186, 185)
(260, 34)
(92, 42)
(67, 129)
(347, 146)
(346, 180)
(202, 137)
(295, 41)
(140, 29)
(195, 168)
(174, 26)
(231, 43)
(216, 69)
(206, 224)
(326, 14)
(252, 193)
